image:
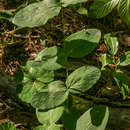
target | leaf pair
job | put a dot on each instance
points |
(49, 100)
(56, 93)
(101, 8)
(30, 81)
(37, 14)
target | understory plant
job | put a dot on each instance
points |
(119, 76)
(37, 80)
(52, 97)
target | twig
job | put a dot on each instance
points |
(104, 101)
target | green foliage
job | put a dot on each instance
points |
(51, 96)
(49, 116)
(112, 43)
(47, 127)
(124, 60)
(66, 3)
(29, 82)
(69, 119)
(94, 119)
(119, 76)
(122, 82)
(52, 58)
(7, 126)
(6, 15)
(83, 79)
(27, 89)
(82, 11)
(101, 8)
(124, 10)
(37, 14)
(37, 84)
(85, 40)
(106, 60)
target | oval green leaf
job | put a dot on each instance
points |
(49, 116)
(106, 60)
(95, 118)
(101, 8)
(124, 10)
(37, 14)
(112, 43)
(83, 79)
(28, 88)
(52, 58)
(69, 119)
(37, 72)
(124, 60)
(51, 96)
(81, 43)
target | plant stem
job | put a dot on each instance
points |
(103, 101)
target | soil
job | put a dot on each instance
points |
(28, 45)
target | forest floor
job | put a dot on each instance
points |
(28, 45)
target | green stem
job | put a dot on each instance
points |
(115, 65)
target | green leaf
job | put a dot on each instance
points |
(7, 126)
(37, 14)
(49, 116)
(52, 58)
(69, 119)
(122, 82)
(51, 96)
(101, 8)
(82, 11)
(81, 43)
(94, 119)
(28, 88)
(18, 76)
(112, 43)
(124, 10)
(37, 72)
(83, 79)
(124, 60)
(106, 60)
(47, 127)
(66, 3)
